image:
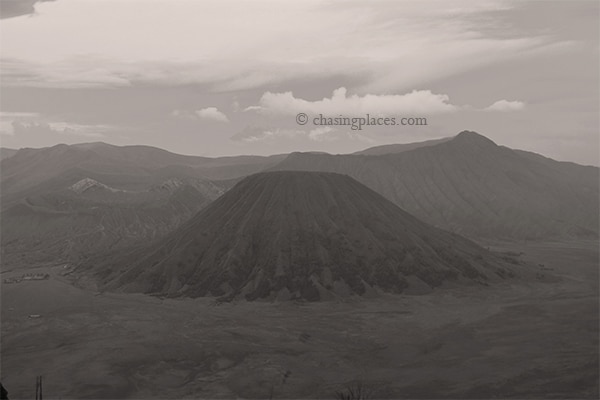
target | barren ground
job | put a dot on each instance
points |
(519, 340)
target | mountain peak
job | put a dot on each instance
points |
(473, 137)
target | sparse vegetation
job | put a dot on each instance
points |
(355, 391)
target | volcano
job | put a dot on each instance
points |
(470, 185)
(300, 235)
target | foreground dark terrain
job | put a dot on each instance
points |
(509, 340)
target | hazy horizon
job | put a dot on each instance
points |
(266, 155)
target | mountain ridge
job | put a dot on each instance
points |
(473, 186)
(395, 148)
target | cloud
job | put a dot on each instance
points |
(320, 134)
(417, 102)
(6, 128)
(389, 46)
(257, 133)
(18, 114)
(182, 114)
(7, 119)
(79, 72)
(66, 128)
(208, 113)
(329, 134)
(91, 131)
(16, 8)
(506, 105)
(13, 123)
(212, 113)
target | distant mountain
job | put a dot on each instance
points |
(37, 171)
(474, 187)
(399, 148)
(218, 168)
(6, 152)
(298, 235)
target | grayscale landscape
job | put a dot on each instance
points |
(175, 222)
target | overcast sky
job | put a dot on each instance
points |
(228, 77)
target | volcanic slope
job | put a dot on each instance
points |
(472, 186)
(300, 235)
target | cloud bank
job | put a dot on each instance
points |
(416, 103)
(213, 114)
(252, 134)
(387, 46)
(506, 105)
